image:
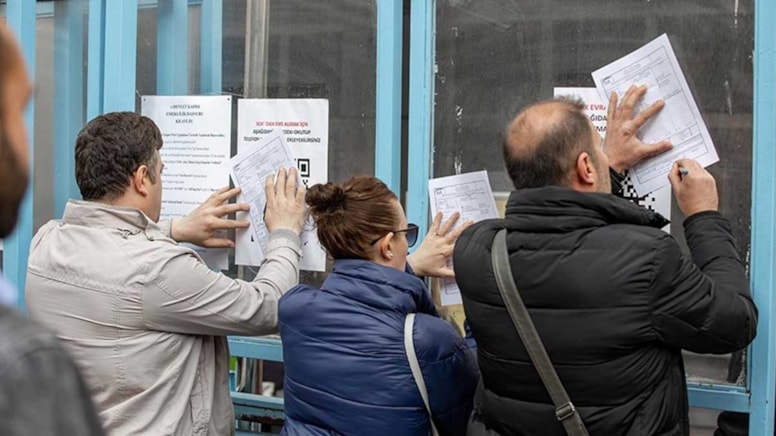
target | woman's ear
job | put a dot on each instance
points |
(386, 247)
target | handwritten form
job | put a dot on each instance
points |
(250, 169)
(680, 121)
(469, 194)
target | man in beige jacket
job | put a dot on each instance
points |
(143, 316)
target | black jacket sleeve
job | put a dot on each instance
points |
(704, 304)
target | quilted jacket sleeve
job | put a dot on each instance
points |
(450, 371)
(703, 304)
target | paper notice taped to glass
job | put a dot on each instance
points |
(196, 131)
(250, 169)
(305, 126)
(471, 196)
(680, 121)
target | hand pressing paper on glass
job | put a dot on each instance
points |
(679, 121)
(275, 195)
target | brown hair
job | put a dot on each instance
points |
(352, 214)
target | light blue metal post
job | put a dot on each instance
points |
(95, 68)
(172, 61)
(68, 97)
(762, 357)
(120, 55)
(211, 40)
(112, 56)
(20, 16)
(719, 397)
(388, 111)
(421, 126)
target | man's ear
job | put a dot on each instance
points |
(585, 170)
(140, 180)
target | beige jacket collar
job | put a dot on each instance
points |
(101, 215)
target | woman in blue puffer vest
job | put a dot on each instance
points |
(343, 344)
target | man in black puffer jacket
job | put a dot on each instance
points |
(613, 298)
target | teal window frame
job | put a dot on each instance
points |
(757, 398)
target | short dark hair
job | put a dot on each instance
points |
(350, 215)
(110, 148)
(550, 160)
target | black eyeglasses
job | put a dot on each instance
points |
(412, 235)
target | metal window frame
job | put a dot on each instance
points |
(172, 60)
(758, 397)
(111, 86)
(762, 352)
(211, 36)
(68, 94)
(389, 98)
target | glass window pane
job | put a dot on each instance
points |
(317, 50)
(49, 39)
(314, 50)
(43, 183)
(494, 57)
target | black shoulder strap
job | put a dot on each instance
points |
(564, 410)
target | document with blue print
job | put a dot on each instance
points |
(680, 121)
(471, 196)
(250, 169)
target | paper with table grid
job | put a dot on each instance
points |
(680, 121)
(469, 194)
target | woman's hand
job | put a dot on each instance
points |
(436, 249)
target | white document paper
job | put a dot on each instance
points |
(305, 127)
(595, 108)
(250, 169)
(471, 196)
(680, 121)
(196, 131)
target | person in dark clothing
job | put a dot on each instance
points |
(347, 369)
(41, 391)
(614, 299)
